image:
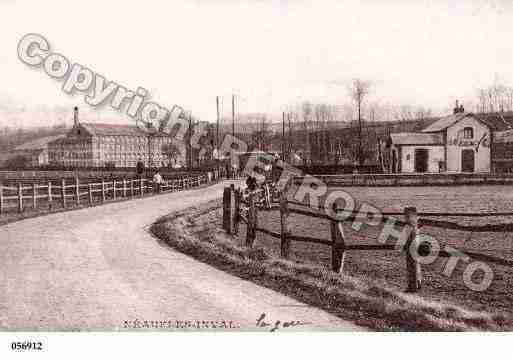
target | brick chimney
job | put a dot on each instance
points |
(456, 108)
(75, 116)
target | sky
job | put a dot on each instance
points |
(270, 54)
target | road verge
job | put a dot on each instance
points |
(196, 232)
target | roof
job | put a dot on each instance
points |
(497, 121)
(445, 122)
(503, 136)
(39, 144)
(105, 129)
(412, 138)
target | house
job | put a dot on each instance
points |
(460, 142)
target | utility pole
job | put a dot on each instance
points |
(290, 138)
(262, 139)
(233, 115)
(283, 138)
(189, 142)
(360, 149)
(217, 134)
(217, 124)
(149, 152)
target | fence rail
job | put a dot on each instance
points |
(48, 195)
(238, 209)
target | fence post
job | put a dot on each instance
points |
(63, 192)
(103, 190)
(267, 196)
(34, 195)
(124, 187)
(285, 226)
(414, 271)
(338, 244)
(252, 221)
(77, 190)
(226, 209)
(132, 187)
(90, 192)
(141, 185)
(1, 198)
(114, 189)
(20, 197)
(233, 213)
(50, 194)
(236, 213)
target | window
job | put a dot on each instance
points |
(468, 133)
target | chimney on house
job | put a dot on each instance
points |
(456, 108)
(75, 116)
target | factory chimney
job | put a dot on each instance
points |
(75, 116)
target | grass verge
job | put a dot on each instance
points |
(196, 232)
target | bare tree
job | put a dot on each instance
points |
(359, 90)
(261, 134)
(494, 98)
(306, 109)
(172, 152)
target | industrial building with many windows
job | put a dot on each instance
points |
(99, 145)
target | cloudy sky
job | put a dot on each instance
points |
(271, 54)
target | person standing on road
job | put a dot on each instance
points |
(157, 181)
(140, 168)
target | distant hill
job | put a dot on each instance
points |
(11, 138)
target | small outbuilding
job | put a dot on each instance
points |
(462, 142)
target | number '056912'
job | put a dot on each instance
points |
(26, 346)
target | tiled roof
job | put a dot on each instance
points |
(39, 144)
(445, 122)
(503, 136)
(104, 129)
(412, 138)
(498, 121)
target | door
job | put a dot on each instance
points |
(467, 161)
(421, 160)
(394, 161)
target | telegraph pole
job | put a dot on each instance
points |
(233, 115)
(217, 136)
(189, 142)
(290, 138)
(283, 137)
(217, 128)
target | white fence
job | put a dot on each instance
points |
(36, 195)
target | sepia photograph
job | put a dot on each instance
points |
(199, 174)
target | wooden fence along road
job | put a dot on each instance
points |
(237, 209)
(37, 195)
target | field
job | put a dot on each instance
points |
(388, 267)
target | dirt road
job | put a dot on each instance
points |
(100, 269)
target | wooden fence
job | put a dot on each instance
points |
(236, 210)
(64, 194)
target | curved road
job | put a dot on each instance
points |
(95, 268)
